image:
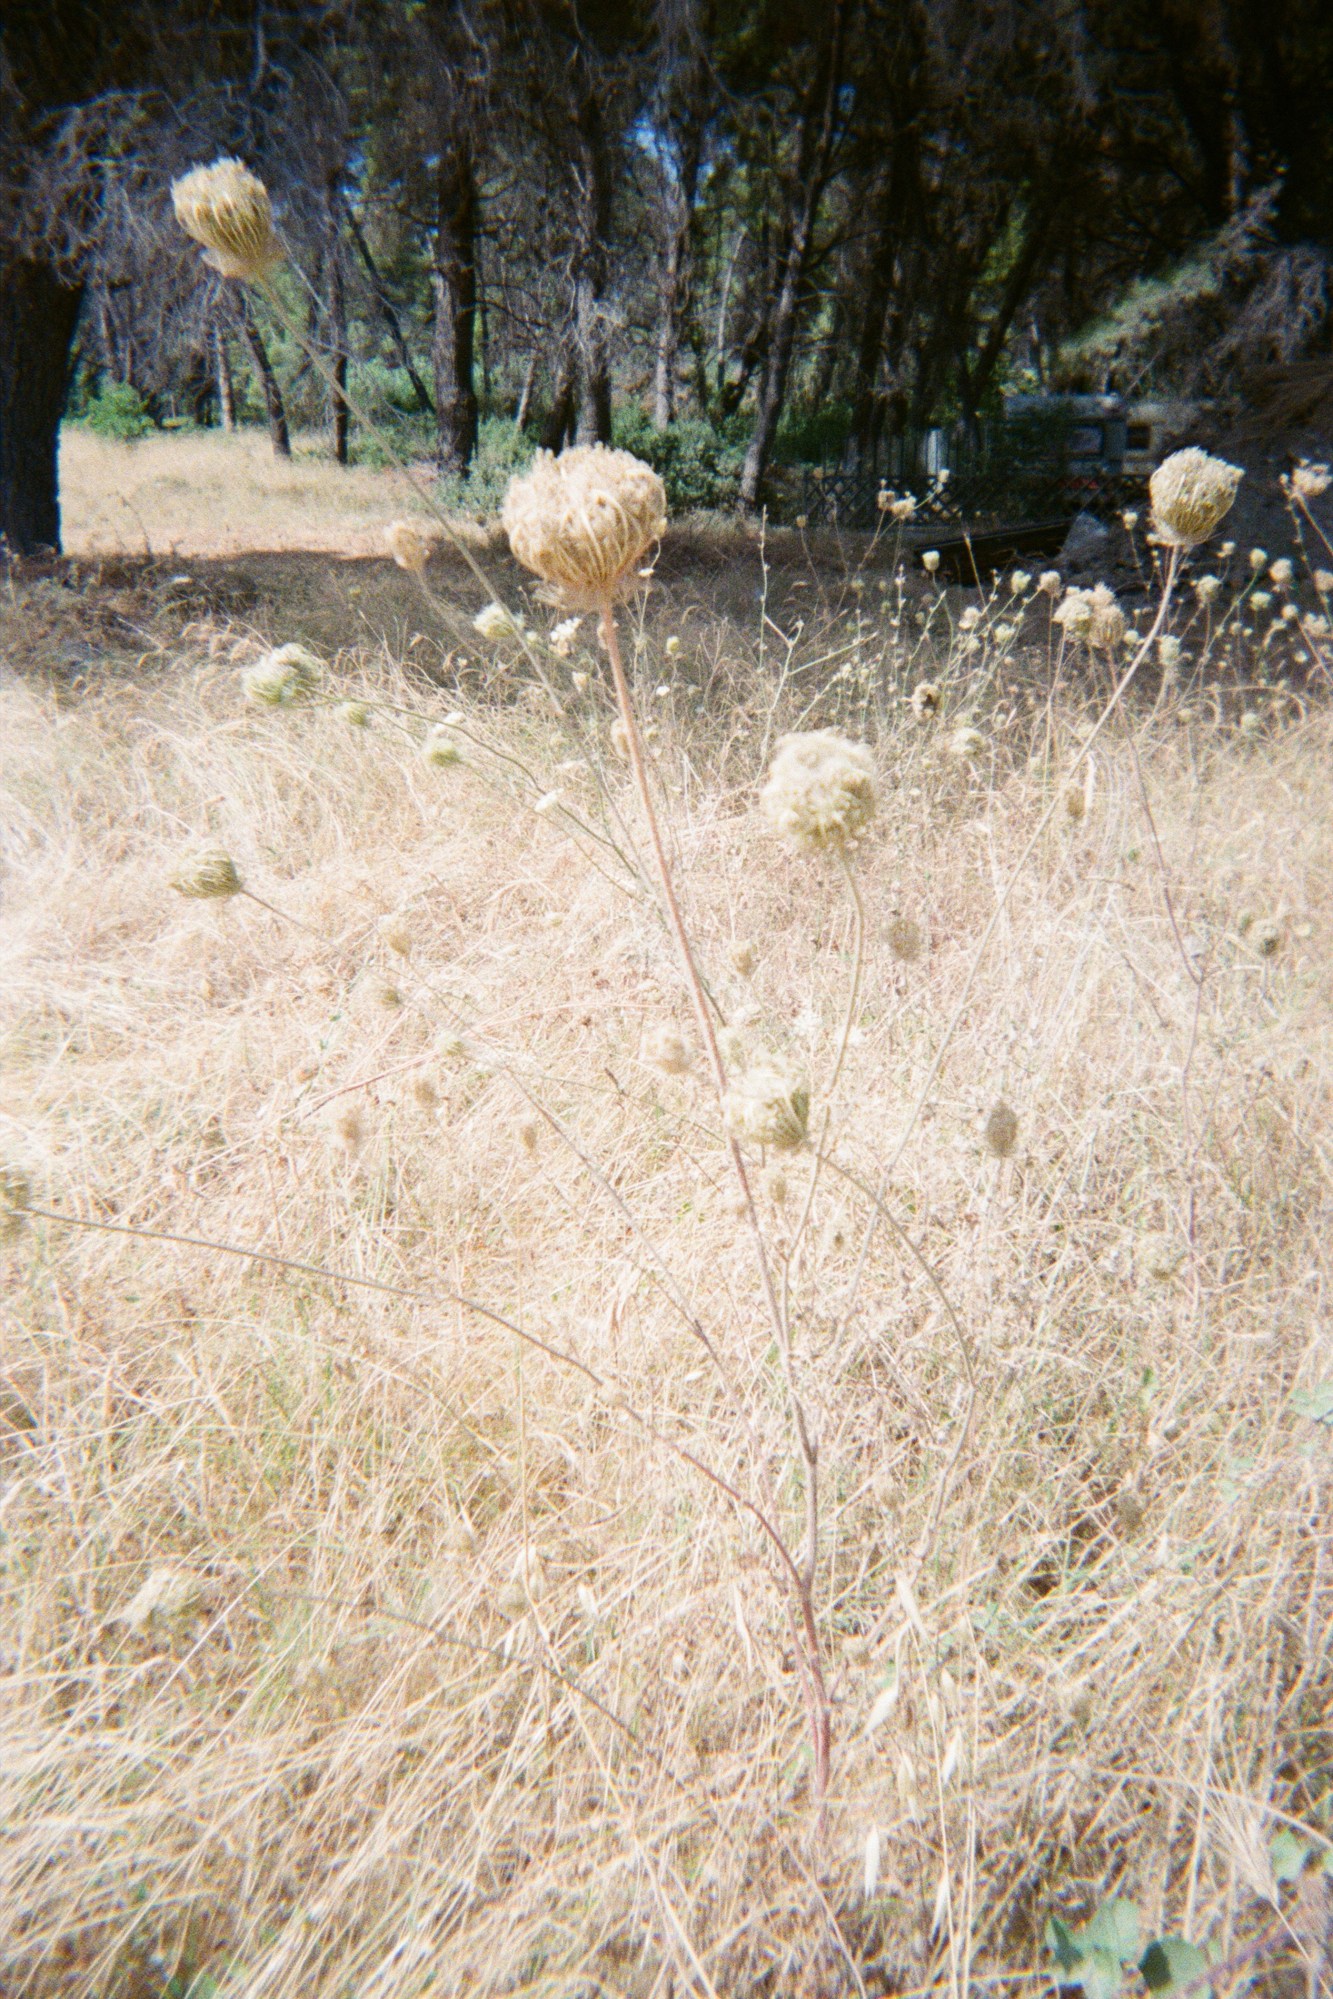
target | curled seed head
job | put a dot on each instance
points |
(666, 1049)
(207, 876)
(1191, 494)
(15, 1200)
(283, 676)
(494, 623)
(226, 208)
(585, 521)
(905, 939)
(925, 698)
(1001, 1133)
(767, 1104)
(409, 545)
(821, 789)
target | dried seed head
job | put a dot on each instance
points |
(496, 624)
(562, 637)
(347, 1125)
(820, 790)
(397, 934)
(208, 876)
(426, 1091)
(384, 993)
(1281, 572)
(1168, 651)
(930, 561)
(409, 545)
(1001, 1133)
(1129, 520)
(905, 939)
(1019, 583)
(440, 749)
(1258, 559)
(966, 743)
(529, 1133)
(775, 1186)
(1075, 802)
(584, 521)
(1208, 588)
(1309, 481)
(226, 208)
(665, 1048)
(15, 1200)
(1250, 724)
(355, 713)
(1049, 582)
(903, 509)
(733, 1047)
(744, 958)
(1266, 937)
(925, 698)
(767, 1104)
(580, 681)
(1191, 494)
(1260, 599)
(283, 676)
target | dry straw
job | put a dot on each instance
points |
(1191, 493)
(821, 789)
(585, 521)
(226, 208)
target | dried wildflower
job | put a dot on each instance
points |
(969, 618)
(966, 742)
(208, 877)
(396, 932)
(1019, 583)
(672, 646)
(282, 677)
(584, 521)
(1107, 620)
(495, 624)
(775, 1186)
(1208, 588)
(767, 1104)
(903, 509)
(440, 749)
(347, 1125)
(620, 738)
(925, 698)
(1191, 494)
(1129, 520)
(1258, 559)
(409, 546)
(1001, 1132)
(426, 1091)
(733, 1047)
(1309, 481)
(226, 208)
(744, 958)
(1260, 599)
(580, 681)
(1250, 724)
(1049, 582)
(529, 1133)
(15, 1200)
(1323, 582)
(802, 520)
(883, 499)
(1266, 937)
(930, 561)
(905, 939)
(356, 714)
(1168, 652)
(562, 636)
(1281, 573)
(666, 1049)
(820, 790)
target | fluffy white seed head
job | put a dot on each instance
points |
(1208, 589)
(1191, 493)
(585, 521)
(207, 877)
(356, 714)
(821, 789)
(930, 561)
(284, 676)
(440, 750)
(1309, 481)
(1049, 582)
(1019, 583)
(226, 208)
(966, 743)
(767, 1103)
(1281, 573)
(495, 624)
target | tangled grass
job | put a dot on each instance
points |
(353, 1643)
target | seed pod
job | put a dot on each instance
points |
(1001, 1132)
(905, 939)
(210, 876)
(226, 208)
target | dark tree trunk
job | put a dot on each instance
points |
(38, 314)
(670, 298)
(222, 373)
(423, 395)
(592, 227)
(339, 408)
(454, 283)
(560, 417)
(268, 381)
(814, 148)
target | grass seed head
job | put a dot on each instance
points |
(821, 789)
(226, 208)
(584, 521)
(768, 1104)
(1191, 493)
(283, 676)
(356, 714)
(208, 876)
(1001, 1131)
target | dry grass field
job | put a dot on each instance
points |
(383, 1608)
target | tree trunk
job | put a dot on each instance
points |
(454, 284)
(340, 409)
(423, 395)
(38, 314)
(592, 227)
(525, 398)
(560, 417)
(814, 147)
(268, 381)
(669, 302)
(222, 373)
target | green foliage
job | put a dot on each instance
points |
(1316, 1402)
(812, 433)
(698, 464)
(118, 411)
(1097, 1957)
(1291, 1854)
(502, 452)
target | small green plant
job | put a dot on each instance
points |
(119, 412)
(699, 466)
(1097, 1957)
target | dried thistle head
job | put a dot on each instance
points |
(1309, 481)
(356, 714)
(925, 699)
(767, 1104)
(226, 208)
(966, 743)
(284, 676)
(584, 521)
(440, 750)
(666, 1049)
(1049, 582)
(15, 1200)
(496, 624)
(905, 939)
(821, 789)
(409, 545)
(1191, 493)
(1001, 1130)
(208, 876)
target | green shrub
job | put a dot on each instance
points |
(118, 411)
(698, 465)
(502, 451)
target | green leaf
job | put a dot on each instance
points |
(1289, 1853)
(1100, 1973)
(1114, 1928)
(1060, 1940)
(1170, 1963)
(1317, 1402)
